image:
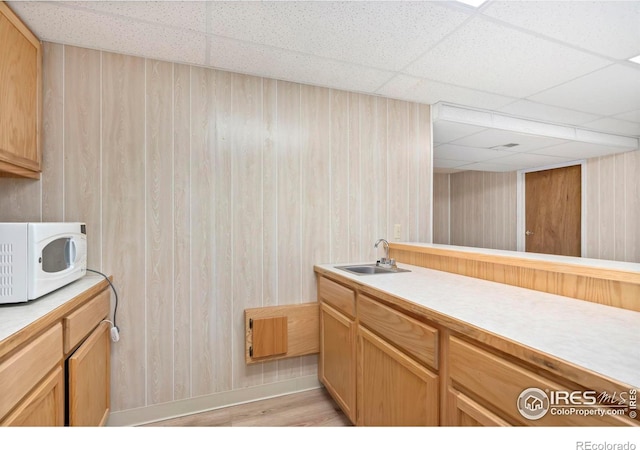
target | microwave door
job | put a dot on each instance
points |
(55, 256)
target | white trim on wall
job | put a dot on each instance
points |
(195, 405)
(520, 202)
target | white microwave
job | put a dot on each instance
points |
(39, 257)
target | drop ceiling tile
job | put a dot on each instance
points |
(270, 62)
(93, 30)
(607, 92)
(631, 116)
(520, 161)
(190, 15)
(469, 154)
(580, 150)
(421, 90)
(445, 131)
(491, 57)
(487, 167)
(387, 35)
(615, 126)
(447, 163)
(547, 113)
(609, 28)
(495, 137)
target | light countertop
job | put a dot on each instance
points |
(16, 316)
(601, 338)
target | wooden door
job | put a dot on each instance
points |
(337, 364)
(468, 413)
(553, 202)
(89, 380)
(44, 407)
(393, 389)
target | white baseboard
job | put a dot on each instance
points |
(178, 408)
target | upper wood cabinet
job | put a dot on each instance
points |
(20, 97)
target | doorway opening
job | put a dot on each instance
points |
(550, 208)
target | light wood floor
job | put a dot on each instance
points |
(314, 408)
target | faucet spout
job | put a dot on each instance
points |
(386, 262)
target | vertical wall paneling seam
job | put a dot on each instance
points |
(430, 173)
(330, 174)
(190, 296)
(361, 253)
(173, 229)
(276, 142)
(301, 209)
(64, 125)
(146, 291)
(263, 135)
(100, 171)
(388, 223)
(348, 183)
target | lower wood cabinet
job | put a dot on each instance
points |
(467, 413)
(393, 389)
(497, 383)
(44, 407)
(390, 366)
(89, 377)
(337, 362)
(56, 371)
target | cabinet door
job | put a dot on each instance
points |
(337, 363)
(468, 413)
(44, 407)
(89, 380)
(20, 91)
(393, 389)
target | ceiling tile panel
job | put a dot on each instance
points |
(491, 57)
(609, 91)
(616, 126)
(494, 137)
(469, 154)
(450, 131)
(387, 35)
(528, 160)
(610, 28)
(578, 150)
(111, 33)
(189, 15)
(547, 113)
(410, 88)
(243, 57)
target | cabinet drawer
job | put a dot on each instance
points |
(338, 296)
(415, 338)
(25, 368)
(500, 383)
(79, 323)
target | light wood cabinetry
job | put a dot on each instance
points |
(56, 371)
(418, 367)
(467, 413)
(393, 389)
(25, 385)
(497, 382)
(20, 97)
(89, 378)
(337, 361)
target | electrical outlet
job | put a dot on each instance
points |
(397, 229)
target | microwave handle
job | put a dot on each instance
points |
(70, 252)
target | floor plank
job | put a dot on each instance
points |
(313, 408)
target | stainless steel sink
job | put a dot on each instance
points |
(369, 269)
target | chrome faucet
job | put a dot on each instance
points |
(385, 262)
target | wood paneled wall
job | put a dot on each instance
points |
(613, 207)
(441, 208)
(209, 192)
(481, 208)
